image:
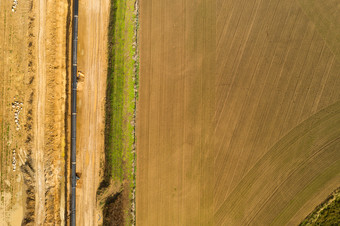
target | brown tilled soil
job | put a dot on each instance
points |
(177, 83)
(268, 152)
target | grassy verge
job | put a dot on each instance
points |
(120, 103)
(327, 213)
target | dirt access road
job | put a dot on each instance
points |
(92, 62)
(40, 116)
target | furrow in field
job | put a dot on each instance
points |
(286, 170)
(176, 95)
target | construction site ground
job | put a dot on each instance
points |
(33, 81)
(92, 62)
(35, 53)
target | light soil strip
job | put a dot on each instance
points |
(40, 117)
(92, 62)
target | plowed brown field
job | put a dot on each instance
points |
(177, 89)
(239, 113)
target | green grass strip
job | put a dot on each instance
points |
(327, 213)
(122, 81)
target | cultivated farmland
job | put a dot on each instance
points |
(239, 112)
(177, 89)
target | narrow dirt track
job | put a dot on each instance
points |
(40, 118)
(92, 58)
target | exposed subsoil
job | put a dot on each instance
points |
(33, 75)
(92, 63)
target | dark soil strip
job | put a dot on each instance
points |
(67, 106)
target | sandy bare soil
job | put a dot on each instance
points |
(40, 116)
(50, 110)
(267, 153)
(33, 66)
(13, 108)
(92, 62)
(34, 73)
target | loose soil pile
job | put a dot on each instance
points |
(113, 210)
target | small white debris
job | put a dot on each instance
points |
(14, 161)
(14, 5)
(17, 107)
